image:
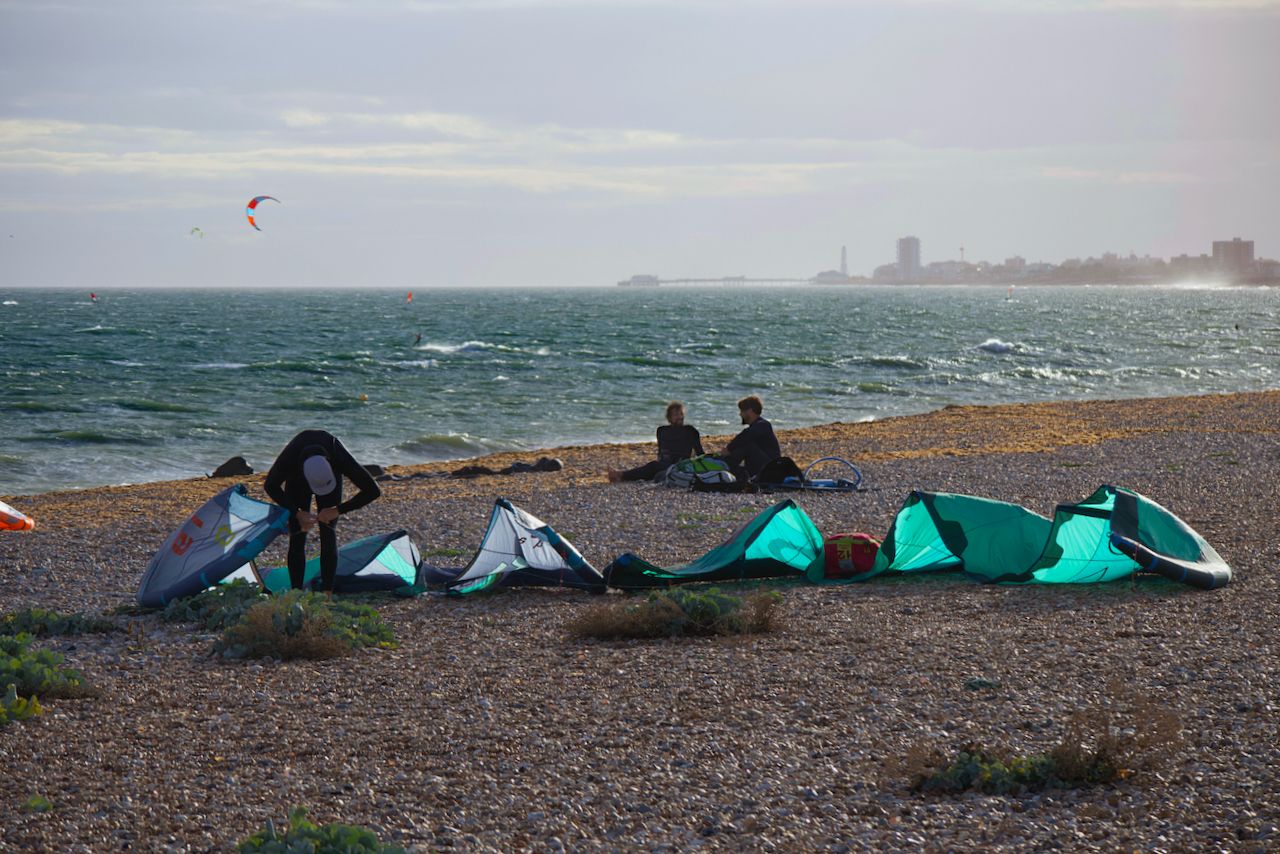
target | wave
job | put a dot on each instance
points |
(900, 362)
(43, 406)
(452, 446)
(89, 437)
(9, 302)
(125, 363)
(144, 405)
(995, 345)
(417, 363)
(220, 366)
(477, 346)
(313, 405)
(654, 362)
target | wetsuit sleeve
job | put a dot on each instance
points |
(697, 441)
(358, 475)
(274, 483)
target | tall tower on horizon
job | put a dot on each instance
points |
(844, 260)
(908, 257)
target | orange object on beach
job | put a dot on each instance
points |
(12, 520)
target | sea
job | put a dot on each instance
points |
(142, 385)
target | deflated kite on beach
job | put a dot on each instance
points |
(518, 550)
(227, 532)
(1112, 534)
(14, 520)
(780, 541)
(383, 562)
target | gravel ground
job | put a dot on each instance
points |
(491, 729)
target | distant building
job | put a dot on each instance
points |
(908, 257)
(885, 273)
(640, 281)
(1016, 264)
(1234, 255)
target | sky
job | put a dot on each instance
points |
(421, 143)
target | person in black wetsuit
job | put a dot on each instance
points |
(676, 441)
(313, 463)
(755, 446)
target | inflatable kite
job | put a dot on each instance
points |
(1112, 534)
(252, 208)
(12, 520)
(518, 550)
(780, 541)
(219, 539)
(384, 562)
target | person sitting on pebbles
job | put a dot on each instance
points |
(676, 441)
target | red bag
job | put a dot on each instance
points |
(848, 555)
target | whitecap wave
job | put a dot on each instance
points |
(995, 345)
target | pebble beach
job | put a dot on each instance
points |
(491, 728)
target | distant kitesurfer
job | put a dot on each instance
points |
(676, 441)
(313, 464)
(417, 340)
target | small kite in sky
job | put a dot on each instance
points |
(198, 233)
(253, 205)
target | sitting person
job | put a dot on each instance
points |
(676, 441)
(756, 446)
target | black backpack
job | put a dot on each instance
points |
(777, 471)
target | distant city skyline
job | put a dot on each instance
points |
(515, 142)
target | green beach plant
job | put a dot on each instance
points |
(38, 673)
(680, 612)
(16, 708)
(1124, 735)
(37, 803)
(41, 622)
(305, 837)
(300, 624)
(216, 608)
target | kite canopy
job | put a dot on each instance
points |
(518, 550)
(780, 541)
(1112, 534)
(252, 208)
(383, 562)
(219, 538)
(13, 520)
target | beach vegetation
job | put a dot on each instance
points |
(217, 608)
(33, 673)
(16, 708)
(1103, 743)
(304, 835)
(444, 552)
(680, 612)
(40, 622)
(37, 803)
(300, 624)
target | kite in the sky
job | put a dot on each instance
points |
(253, 206)
(198, 233)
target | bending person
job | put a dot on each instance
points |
(755, 446)
(313, 464)
(676, 441)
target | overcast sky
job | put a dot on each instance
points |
(576, 142)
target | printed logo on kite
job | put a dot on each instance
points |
(252, 208)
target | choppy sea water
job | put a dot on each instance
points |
(149, 385)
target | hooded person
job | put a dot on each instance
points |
(313, 464)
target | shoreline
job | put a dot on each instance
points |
(490, 728)
(1096, 418)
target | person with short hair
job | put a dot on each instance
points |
(755, 446)
(676, 441)
(313, 464)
